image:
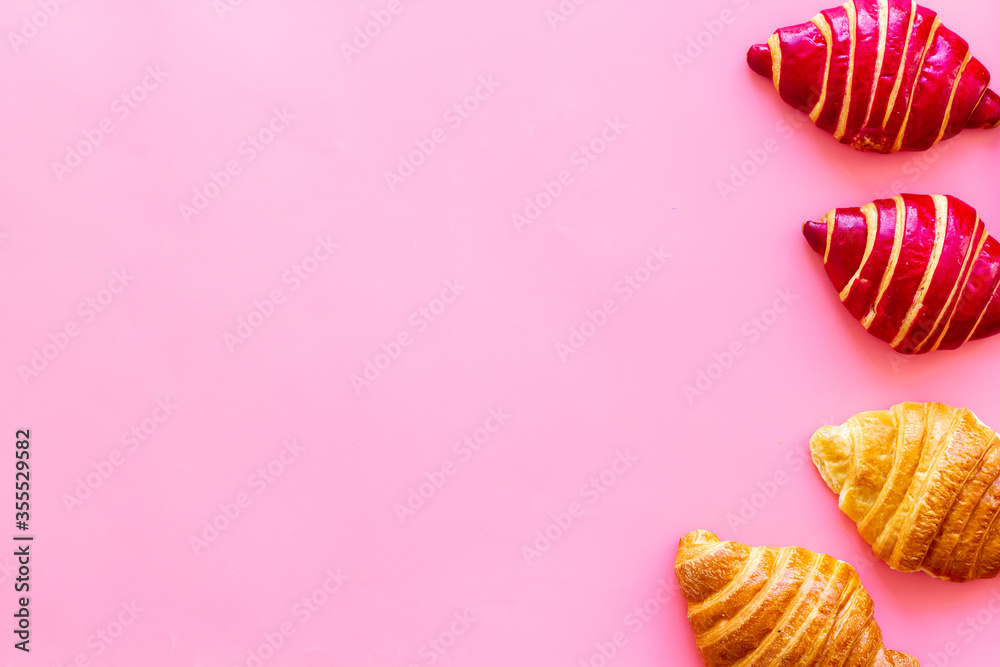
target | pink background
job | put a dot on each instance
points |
(451, 583)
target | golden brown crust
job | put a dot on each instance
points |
(765, 606)
(922, 481)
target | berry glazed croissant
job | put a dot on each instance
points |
(922, 481)
(919, 272)
(757, 606)
(882, 76)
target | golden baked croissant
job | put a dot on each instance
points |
(880, 75)
(921, 481)
(919, 271)
(757, 606)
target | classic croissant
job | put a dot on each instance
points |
(919, 271)
(757, 606)
(921, 481)
(881, 76)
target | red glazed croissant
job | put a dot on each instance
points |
(880, 75)
(919, 271)
(757, 606)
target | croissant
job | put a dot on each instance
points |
(919, 272)
(922, 481)
(757, 606)
(881, 76)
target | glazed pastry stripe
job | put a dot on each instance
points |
(940, 229)
(831, 221)
(774, 45)
(890, 269)
(980, 231)
(916, 80)
(986, 306)
(945, 309)
(824, 27)
(951, 100)
(883, 27)
(871, 219)
(951, 305)
(845, 109)
(900, 74)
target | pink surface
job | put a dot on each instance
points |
(247, 323)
